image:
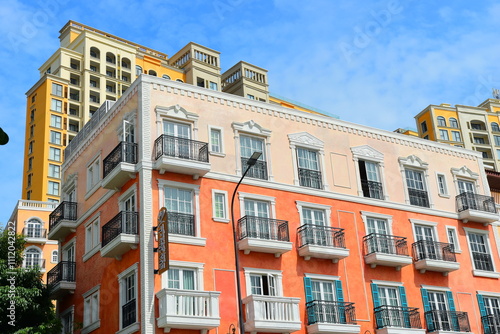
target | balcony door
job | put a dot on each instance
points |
(32, 258)
(381, 241)
(438, 304)
(183, 279)
(129, 139)
(180, 145)
(480, 252)
(309, 173)
(128, 218)
(317, 231)
(259, 228)
(370, 179)
(179, 204)
(68, 270)
(492, 307)
(263, 284)
(468, 200)
(323, 293)
(389, 296)
(34, 229)
(426, 248)
(416, 188)
(249, 145)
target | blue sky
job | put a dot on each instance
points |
(376, 63)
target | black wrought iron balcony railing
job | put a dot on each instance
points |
(433, 250)
(384, 243)
(454, 321)
(181, 223)
(310, 178)
(418, 197)
(491, 323)
(321, 236)
(183, 148)
(65, 211)
(63, 271)
(482, 261)
(471, 201)
(331, 312)
(31, 232)
(397, 316)
(124, 222)
(124, 152)
(372, 189)
(129, 313)
(263, 228)
(257, 171)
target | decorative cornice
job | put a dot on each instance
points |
(305, 139)
(464, 172)
(251, 127)
(367, 152)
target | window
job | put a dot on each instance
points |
(444, 134)
(182, 278)
(32, 115)
(93, 83)
(309, 174)
(416, 188)
(379, 235)
(67, 320)
(164, 76)
(34, 228)
(423, 126)
(32, 258)
(495, 127)
(93, 174)
(308, 158)
(439, 304)
(56, 105)
(54, 154)
(53, 188)
(55, 137)
(32, 131)
(30, 176)
(249, 145)
(128, 300)
(213, 85)
(453, 123)
(91, 310)
(250, 96)
(497, 140)
(179, 203)
(30, 163)
(489, 307)
(451, 232)
(325, 299)
(456, 136)
(389, 299)
(480, 251)
(56, 121)
(370, 179)
(498, 154)
(93, 68)
(216, 140)
(263, 282)
(30, 147)
(441, 121)
(200, 82)
(92, 235)
(443, 189)
(485, 154)
(476, 126)
(56, 89)
(138, 70)
(54, 257)
(220, 211)
(479, 140)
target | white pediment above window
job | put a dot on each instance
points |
(175, 111)
(305, 139)
(251, 127)
(413, 161)
(464, 172)
(367, 153)
(69, 183)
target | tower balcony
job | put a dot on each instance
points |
(386, 250)
(62, 221)
(119, 165)
(181, 155)
(120, 235)
(331, 317)
(476, 208)
(272, 314)
(434, 256)
(323, 242)
(188, 309)
(62, 279)
(264, 235)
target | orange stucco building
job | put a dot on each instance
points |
(341, 228)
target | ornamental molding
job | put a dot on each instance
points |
(465, 172)
(367, 152)
(175, 111)
(305, 139)
(251, 127)
(413, 161)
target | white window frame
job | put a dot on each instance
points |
(445, 193)
(91, 295)
(130, 192)
(57, 121)
(40, 258)
(176, 114)
(278, 274)
(132, 270)
(309, 142)
(456, 246)
(444, 135)
(196, 266)
(271, 200)
(95, 224)
(415, 163)
(252, 129)
(57, 88)
(220, 153)
(54, 188)
(196, 240)
(367, 153)
(327, 209)
(465, 174)
(56, 105)
(55, 253)
(52, 169)
(55, 150)
(424, 223)
(365, 215)
(55, 137)
(226, 217)
(93, 178)
(69, 311)
(476, 272)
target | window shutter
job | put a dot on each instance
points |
(376, 304)
(310, 304)
(482, 310)
(427, 308)
(404, 304)
(451, 306)
(340, 301)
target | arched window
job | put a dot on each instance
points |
(441, 121)
(165, 77)
(55, 257)
(151, 72)
(94, 52)
(33, 228)
(494, 127)
(179, 80)
(125, 63)
(110, 58)
(32, 258)
(138, 70)
(453, 123)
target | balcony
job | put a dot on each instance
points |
(434, 256)
(35, 235)
(323, 242)
(386, 250)
(418, 197)
(476, 208)
(62, 279)
(129, 313)
(397, 320)
(447, 321)
(181, 155)
(372, 189)
(271, 314)
(264, 235)
(188, 309)
(119, 165)
(181, 223)
(310, 178)
(62, 221)
(491, 324)
(257, 171)
(331, 317)
(120, 235)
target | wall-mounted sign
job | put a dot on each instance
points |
(162, 233)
